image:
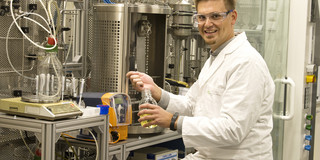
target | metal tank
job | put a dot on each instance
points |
(109, 48)
(128, 36)
(182, 19)
(181, 28)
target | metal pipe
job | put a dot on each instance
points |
(177, 59)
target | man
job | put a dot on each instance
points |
(227, 113)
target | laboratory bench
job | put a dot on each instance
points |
(49, 135)
(121, 149)
(49, 131)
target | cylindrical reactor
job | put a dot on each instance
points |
(182, 19)
(108, 59)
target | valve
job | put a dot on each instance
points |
(308, 137)
(309, 127)
(307, 147)
(309, 117)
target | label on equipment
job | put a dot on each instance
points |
(32, 110)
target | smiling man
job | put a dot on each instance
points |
(216, 21)
(227, 112)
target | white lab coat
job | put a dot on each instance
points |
(229, 109)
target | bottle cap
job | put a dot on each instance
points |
(50, 44)
(51, 41)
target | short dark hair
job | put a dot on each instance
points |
(230, 4)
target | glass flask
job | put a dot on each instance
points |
(147, 98)
(50, 77)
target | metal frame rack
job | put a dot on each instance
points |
(49, 130)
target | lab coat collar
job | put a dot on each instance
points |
(209, 69)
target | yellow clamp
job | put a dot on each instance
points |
(310, 78)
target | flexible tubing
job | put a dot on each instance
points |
(51, 18)
(19, 28)
(45, 10)
(58, 26)
(8, 50)
(97, 146)
(38, 24)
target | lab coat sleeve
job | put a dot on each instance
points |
(164, 100)
(183, 104)
(241, 108)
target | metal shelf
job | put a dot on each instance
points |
(135, 142)
(49, 130)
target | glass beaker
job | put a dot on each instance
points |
(147, 98)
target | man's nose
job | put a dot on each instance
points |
(208, 22)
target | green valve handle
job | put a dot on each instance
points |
(309, 117)
(308, 127)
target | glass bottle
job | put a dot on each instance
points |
(147, 98)
(50, 76)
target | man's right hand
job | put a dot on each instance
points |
(140, 81)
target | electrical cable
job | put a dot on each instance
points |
(25, 143)
(94, 140)
(26, 133)
(170, 90)
(97, 146)
(118, 135)
(65, 134)
(74, 152)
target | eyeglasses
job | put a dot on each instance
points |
(215, 17)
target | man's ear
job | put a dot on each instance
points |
(234, 16)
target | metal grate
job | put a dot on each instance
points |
(90, 37)
(107, 56)
(12, 146)
(107, 52)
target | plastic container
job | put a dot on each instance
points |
(104, 109)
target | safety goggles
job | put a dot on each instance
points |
(214, 17)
